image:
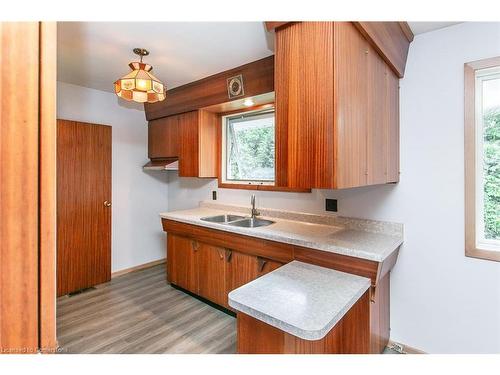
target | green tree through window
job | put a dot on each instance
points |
(250, 147)
(491, 146)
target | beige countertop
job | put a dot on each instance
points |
(302, 299)
(360, 238)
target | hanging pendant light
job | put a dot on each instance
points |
(140, 85)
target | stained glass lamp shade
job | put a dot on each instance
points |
(140, 85)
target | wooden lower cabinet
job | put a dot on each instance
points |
(211, 271)
(351, 335)
(182, 262)
(380, 315)
(241, 269)
(265, 265)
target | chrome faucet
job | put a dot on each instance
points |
(255, 213)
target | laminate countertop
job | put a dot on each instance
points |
(360, 238)
(301, 299)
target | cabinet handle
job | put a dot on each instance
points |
(194, 245)
(221, 254)
(229, 255)
(262, 263)
(107, 204)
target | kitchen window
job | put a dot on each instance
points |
(482, 159)
(248, 148)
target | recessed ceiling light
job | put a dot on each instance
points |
(248, 102)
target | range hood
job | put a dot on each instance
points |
(171, 164)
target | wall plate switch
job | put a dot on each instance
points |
(331, 205)
(214, 195)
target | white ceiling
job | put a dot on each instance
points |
(423, 27)
(95, 54)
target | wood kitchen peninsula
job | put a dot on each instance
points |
(212, 259)
(303, 309)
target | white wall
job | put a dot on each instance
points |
(138, 197)
(441, 301)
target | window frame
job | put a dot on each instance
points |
(220, 147)
(473, 197)
(223, 160)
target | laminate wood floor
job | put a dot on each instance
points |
(140, 313)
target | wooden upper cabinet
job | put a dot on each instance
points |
(351, 83)
(198, 144)
(163, 138)
(392, 122)
(337, 122)
(191, 137)
(376, 137)
(304, 104)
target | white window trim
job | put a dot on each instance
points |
(224, 180)
(481, 76)
(475, 244)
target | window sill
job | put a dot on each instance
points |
(483, 254)
(262, 188)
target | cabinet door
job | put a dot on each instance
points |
(212, 273)
(266, 265)
(163, 138)
(189, 144)
(376, 121)
(240, 270)
(351, 85)
(392, 121)
(304, 63)
(182, 262)
(208, 144)
(198, 144)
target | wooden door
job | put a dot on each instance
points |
(27, 188)
(19, 182)
(211, 273)
(163, 138)
(83, 205)
(182, 262)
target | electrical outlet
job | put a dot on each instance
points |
(397, 347)
(214, 195)
(331, 205)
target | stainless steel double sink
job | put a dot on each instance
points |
(238, 221)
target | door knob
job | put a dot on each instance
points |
(107, 204)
